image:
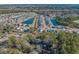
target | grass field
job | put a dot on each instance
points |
(76, 21)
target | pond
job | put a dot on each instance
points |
(28, 21)
(46, 20)
(54, 22)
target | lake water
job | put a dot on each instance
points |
(46, 20)
(26, 30)
(54, 22)
(29, 21)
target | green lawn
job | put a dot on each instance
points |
(76, 21)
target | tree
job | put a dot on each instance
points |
(68, 42)
(23, 46)
(12, 42)
(9, 51)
